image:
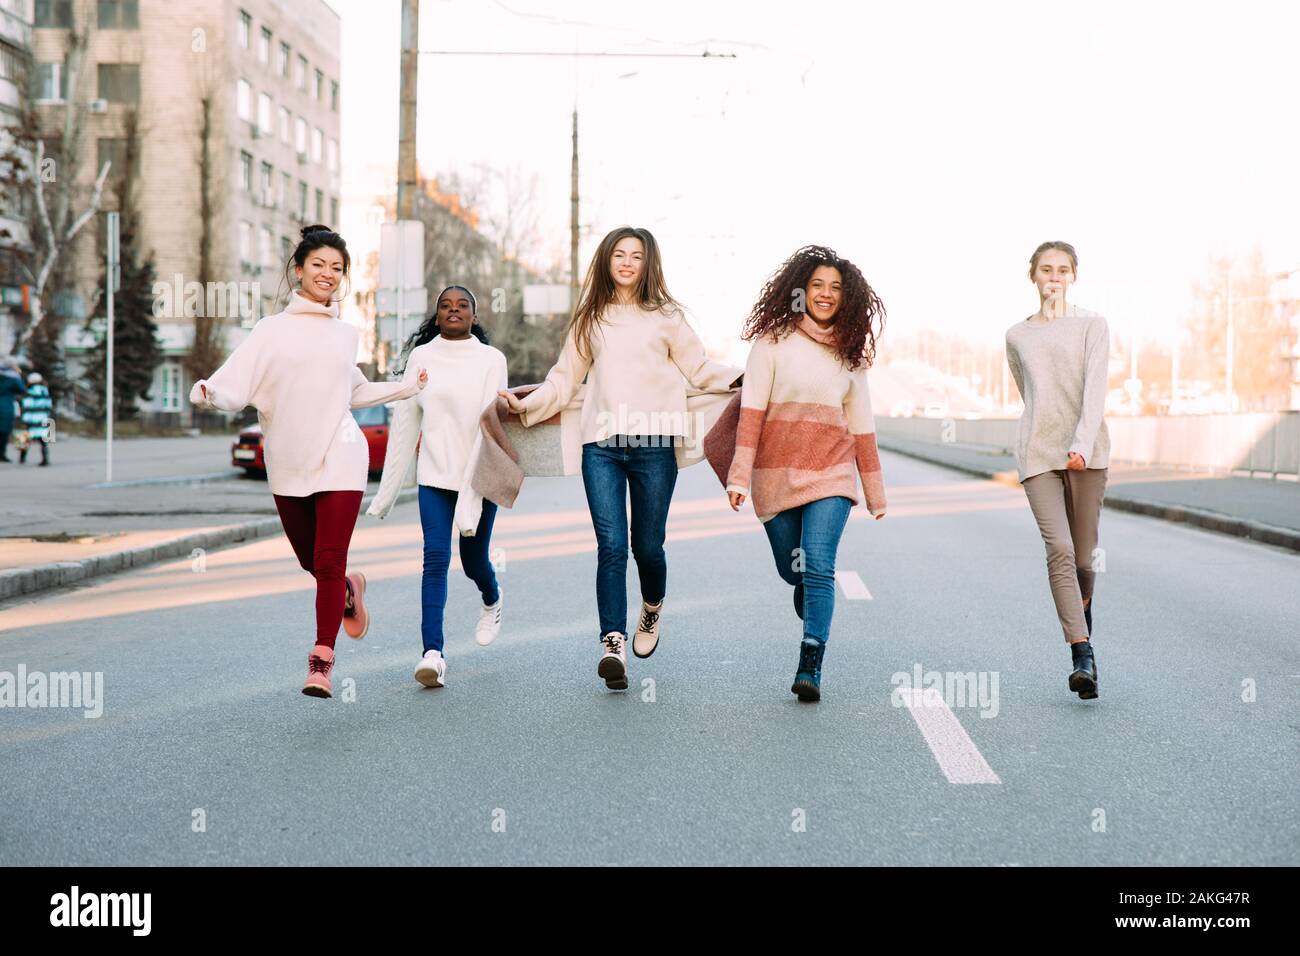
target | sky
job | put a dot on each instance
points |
(933, 144)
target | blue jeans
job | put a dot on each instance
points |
(611, 469)
(437, 505)
(809, 535)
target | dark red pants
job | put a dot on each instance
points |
(320, 528)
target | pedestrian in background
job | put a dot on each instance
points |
(805, 434)
(11, 389)
(1059, 357)
(298, 369)
(630, 338)
(38, 418)
(443, 420)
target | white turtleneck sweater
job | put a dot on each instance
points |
(298, 369)
(464, 378)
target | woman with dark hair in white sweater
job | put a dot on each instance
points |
(1059, 358)
(298, 369)
(444, 421)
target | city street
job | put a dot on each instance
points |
(206, 753)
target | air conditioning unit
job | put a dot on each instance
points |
(97, 106)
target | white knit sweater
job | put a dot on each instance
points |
(464, 377)
(642, 361)
(298, 369)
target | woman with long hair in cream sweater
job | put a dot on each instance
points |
(630, 339)
(1059, 357)
(298, 369)
(444, 420)
(806, 433)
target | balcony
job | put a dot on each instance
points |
(15, 30)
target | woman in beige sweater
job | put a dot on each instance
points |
(630, 340)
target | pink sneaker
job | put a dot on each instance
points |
(356, 619)
(319, 664)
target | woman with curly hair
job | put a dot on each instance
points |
(805, 427)
(629, 338)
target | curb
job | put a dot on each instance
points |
(17, 582)
(1288, 538)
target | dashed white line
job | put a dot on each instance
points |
(958, 757)
(851, 584)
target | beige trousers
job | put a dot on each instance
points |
(1067, 506)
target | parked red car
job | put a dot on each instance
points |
(246, 452)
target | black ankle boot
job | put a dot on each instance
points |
(1083, 679)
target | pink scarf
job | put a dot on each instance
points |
(809, 326)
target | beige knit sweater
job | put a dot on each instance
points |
(641, 364)
(805, 428)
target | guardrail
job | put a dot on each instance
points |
(1265, 443)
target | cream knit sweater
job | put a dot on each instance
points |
(298, 369)
(464, 377)
(641, 363)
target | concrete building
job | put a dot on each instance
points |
(15, 240)
(269, 70)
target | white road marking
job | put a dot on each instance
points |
(852, 586)
(958, 757)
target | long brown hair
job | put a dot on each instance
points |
(859, 321)
(598, 287)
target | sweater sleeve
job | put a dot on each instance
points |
(754, 397)
(862, 426)
(469, 503)
(366, 394)
(558, 389)
(1096, 362)
(231, 387)
(1014, 364)
(687, 352)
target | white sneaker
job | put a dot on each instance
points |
(613, 663)
(646, 638)
(431, 669)
(489, 622)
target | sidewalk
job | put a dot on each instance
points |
(1257, 508)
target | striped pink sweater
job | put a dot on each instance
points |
(805, 427)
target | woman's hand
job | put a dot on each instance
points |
(516, 405)
(203, 390)
(879, 516)
(1076, 462)
(736, 499)
(423, 378)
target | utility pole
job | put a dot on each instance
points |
(410, 59)
(573, 220)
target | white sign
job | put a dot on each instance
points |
(412, 301)
(401, 254)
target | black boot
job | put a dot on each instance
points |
(1083, 679)
(808, 679)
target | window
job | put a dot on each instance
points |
(316, 140)
(282, 199)
(169, 390)
(284, 125)
(51, 83)
(112, 151)
(300, 73)
(300, 135)
(264, 183)
(334, 212)
(334, 96)
(245, 171)
(332, 156)
(320, 206)
(119, 15)
(282, 62)
(244, 100)
(53, 13)
(264, 246)
(119, 82)
(264, 121)
(286, 248)
(264, 46)
(12, 67)
(245, 25)
(317, 85)
(302, 199)
(245, 241)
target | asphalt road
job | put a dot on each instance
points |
(206, 753)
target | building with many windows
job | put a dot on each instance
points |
(265, 74)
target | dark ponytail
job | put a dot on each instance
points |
(316, 237)
(429, 327)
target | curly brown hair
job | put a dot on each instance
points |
(859, 321)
